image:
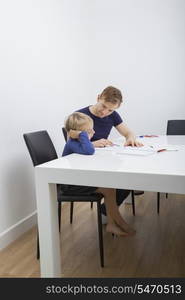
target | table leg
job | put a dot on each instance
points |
(50, 260)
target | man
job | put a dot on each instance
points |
(105, 117)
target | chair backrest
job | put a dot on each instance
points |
(40, 147)
(176, 127)
(64, 133)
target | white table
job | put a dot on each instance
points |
(160, 172)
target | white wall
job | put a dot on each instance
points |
(56, 56)
(139, 46)
(42, 78)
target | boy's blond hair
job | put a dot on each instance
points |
(76, 121)
(112, 94)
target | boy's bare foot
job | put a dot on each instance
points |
(113, 228)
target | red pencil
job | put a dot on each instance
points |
(161, 150)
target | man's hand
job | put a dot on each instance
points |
(102, 143)
(74, 134)
(129, 135)
(131, 141)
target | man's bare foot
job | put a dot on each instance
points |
(113, 228)
(126, 228)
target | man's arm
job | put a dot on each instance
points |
(129, 135)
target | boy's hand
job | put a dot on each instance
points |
(74, 134)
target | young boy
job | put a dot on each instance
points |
(80, 130)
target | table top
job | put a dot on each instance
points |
(99, 169)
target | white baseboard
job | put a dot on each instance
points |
(15, 231)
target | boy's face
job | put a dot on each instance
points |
(89, 129)
(104, 108)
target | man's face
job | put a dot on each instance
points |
(104, 108)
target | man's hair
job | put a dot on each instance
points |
(111, 94)
(76, 121)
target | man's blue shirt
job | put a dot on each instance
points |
(102, 126)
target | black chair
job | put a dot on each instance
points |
(64, 133)
(41, 150)
(133, 193)
(174, 127)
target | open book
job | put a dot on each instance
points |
(144, 150)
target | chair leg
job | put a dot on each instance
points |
(38, 248)
(71, 212)
(100, 233)
(133, 202)
(166, 195)
(158, 202)
(59, 215)
(91, 205)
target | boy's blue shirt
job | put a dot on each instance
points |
(81, 146)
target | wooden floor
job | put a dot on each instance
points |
(157, 249)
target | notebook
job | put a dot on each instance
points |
(142, 151)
